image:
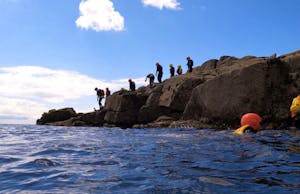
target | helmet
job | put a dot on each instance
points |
(129, 80)
(188, 57)
(251, 119)
(96, 89)
(171, 65)
(157, 63)
(179, 66)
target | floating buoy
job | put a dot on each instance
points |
(251, 119)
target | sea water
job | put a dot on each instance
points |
(45, 159)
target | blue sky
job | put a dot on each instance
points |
(53, 52)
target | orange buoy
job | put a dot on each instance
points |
(251, 119)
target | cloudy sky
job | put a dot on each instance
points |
(53, 53)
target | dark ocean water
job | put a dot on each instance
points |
(44, 159)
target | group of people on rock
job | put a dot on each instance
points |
(101, 94)
(251, 122)
(159, 69)
(159, 73)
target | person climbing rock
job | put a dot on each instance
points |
(179, 70)
(100, 96)
(159, 72)
(190, 63)
(151, 78)
(131, 85)
(250, 122)
(107, 92)
(172, 70)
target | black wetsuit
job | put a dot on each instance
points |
(172, 71)
(250, 130)
(100, 95)
(296, 121)
(151, 78)
(179, 71)
(159, 69)
(190, 64)
(107, 93)
(132, 86)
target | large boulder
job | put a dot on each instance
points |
(56, 115)
(151, 109)
(226, 64)
(168, 98)
(260, 86)
(122, 108)
(95, 118)
(176, 91)
(293, 60)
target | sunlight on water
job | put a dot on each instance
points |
(45, 159)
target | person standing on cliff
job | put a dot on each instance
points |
(100, 96)
(159, 72)
(172, 70)
(131, 85)
(179, 70)
(151, 79)
(190, 63)
(107, 92)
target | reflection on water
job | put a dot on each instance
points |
(44, 159)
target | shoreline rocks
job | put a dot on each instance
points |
(215, 95)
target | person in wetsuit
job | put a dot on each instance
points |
(250, 123)
(190, 63)
(159, 72)
(172, 70)
(100, 96)
(179, 70)
(107, 92)
(131, 85)
(151, 78)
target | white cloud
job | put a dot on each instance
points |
(28, 91)
(160, 4)
(41, 83)
(99, 15)
(16, 110)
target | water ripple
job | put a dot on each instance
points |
(45, 159)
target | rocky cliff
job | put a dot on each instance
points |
(216, 94)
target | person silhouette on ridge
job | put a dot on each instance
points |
(131, 85)
(179, 70)
(151, 79)
(100, 96)
(159, 72)
(107, 92)
(190, 63)
(172, 70)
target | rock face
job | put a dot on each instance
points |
(123, 108)
(258, 88)
(68, 117)
(56, 116)
(216, 94)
